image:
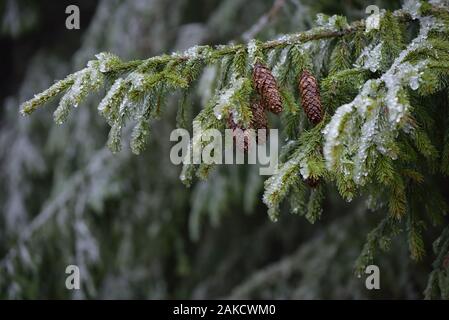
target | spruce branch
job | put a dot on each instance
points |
(368, 80)
(111, 66)
(437, 285)
(378, 134)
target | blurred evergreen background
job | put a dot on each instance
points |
(127, 221)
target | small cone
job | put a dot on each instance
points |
(258, 121)
(310, 97)
(312, 182)
(266, 86)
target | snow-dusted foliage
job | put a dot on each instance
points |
(377, 110)
(383, 89)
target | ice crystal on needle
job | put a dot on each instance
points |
(327, 22)
(412, 8)
(406, 73)
(369, 131)
(370, 58)
(333, 130)
(41, 98)
(401, 72)
(193, 52)
(277, 186)
(252, 48)
(87, 80)
(414, 82)
(107, 61)
(373, 22)
(114, 95)
(271, 57)
(136, 80)
(224, 101)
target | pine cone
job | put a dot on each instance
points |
(242, 135)
(312, 182)
(259, 120)
(310, 97)
(266, 86)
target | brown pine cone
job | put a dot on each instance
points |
(266, 86)
(312, 182)
(259, 121)
(310, 97)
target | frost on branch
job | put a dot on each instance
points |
(381, 103)
(376, 138)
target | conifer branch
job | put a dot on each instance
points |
(373, 137)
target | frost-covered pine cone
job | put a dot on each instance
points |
(310, 97)
(267, 87)
(259, 121)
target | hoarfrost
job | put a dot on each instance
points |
(304, 169)
(193, 52)
(414, 82)
(370, 57)
(107, 61)
(282, 59)
(123, 106)
(221, 108)
(271, 56)
(252, 48)
(327, 22)
(136, 80)
(369, 130)
(287, 38)
(332, 132)
(373, 22)
(412, 7)
(111, 95)
(276, 183)
(384, 91)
